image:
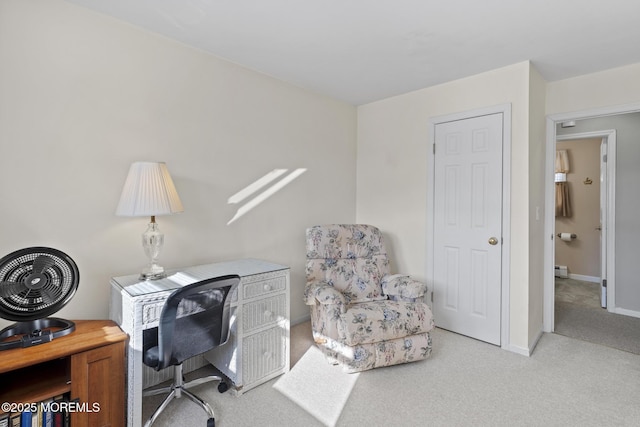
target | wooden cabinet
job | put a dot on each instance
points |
(88, 364)
(92, 380)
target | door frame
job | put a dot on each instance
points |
(609, 189)
(505, 109)
(549, 246)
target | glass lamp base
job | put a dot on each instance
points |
(153, 272)
(144, 276)
(152, 242)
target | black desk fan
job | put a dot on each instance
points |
(35, 283)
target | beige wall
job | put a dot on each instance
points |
(582, 255)
(82, 96)
(614, 87)
(392, 183)
(537, 173)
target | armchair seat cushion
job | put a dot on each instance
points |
(384, 353)
(375, 321)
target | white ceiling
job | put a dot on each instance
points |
(365, 50)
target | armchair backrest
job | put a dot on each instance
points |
(195, 319)
(350, 257)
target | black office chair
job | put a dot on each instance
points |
(194, 319)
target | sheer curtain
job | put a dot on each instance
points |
(563, 204)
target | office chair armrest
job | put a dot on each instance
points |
(401, 287)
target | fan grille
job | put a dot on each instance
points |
(56, 283)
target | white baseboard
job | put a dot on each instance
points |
(626, 312)
(523, 350)
(584, 278)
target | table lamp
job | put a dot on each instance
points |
(149, 191)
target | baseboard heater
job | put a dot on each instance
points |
(562, 272)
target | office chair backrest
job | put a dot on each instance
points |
(195, 319)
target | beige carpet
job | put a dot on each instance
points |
(586, 294)
(330, 387)
(566, 382)
(578, 314)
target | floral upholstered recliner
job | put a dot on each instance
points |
(362, 317)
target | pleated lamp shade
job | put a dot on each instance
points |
(149, 191)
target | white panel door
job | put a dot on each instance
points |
(468, 226)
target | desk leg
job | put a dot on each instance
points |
(135, 377)
(132, 325)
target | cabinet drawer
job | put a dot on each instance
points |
(264, 286)
(263, 354)
(264, 312)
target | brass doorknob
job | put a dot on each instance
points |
(493, 241)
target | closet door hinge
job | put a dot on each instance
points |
(434, 148)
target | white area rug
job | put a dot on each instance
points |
(317, 387)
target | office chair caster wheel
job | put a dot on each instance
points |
(222, 387)
(211, 422)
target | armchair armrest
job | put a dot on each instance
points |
(401, 287)
(323, 293)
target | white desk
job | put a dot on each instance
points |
(258, 347)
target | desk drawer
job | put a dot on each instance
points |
(264, 312)
(263, 354)
(151, 311)
(263, 285)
